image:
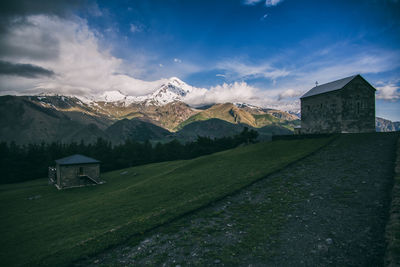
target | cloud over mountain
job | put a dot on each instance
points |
(85, 68)
(72, 50)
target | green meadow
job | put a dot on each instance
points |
(41, 225)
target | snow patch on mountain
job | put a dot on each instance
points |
(243, 105)
(112, 96)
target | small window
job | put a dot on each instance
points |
(80, 170)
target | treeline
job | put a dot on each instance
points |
(27, 162)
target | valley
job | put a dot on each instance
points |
(249, 204)
(35, 119)
(41, 225)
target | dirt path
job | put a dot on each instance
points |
(328, 209)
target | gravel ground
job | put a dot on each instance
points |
(330, 209)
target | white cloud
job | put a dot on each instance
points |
(389, 92)
(81, 65)
(237, 70)
(269, 3)
(289, 93)
(240, 92)
(235, 92)
(251, 2)
(177, 60)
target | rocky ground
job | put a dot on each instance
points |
(329, 209)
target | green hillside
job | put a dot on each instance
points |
(43, 226)
(213, 128)
(227, 112)
(216, 128)
(256, 118)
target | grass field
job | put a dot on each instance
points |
(43, 226)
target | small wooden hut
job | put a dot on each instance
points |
(75, 171)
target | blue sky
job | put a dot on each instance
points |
(274, 49)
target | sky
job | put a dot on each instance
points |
(266, 53)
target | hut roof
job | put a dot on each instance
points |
(328, 87)
(76, 159)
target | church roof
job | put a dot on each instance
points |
(76, 159)
(328, 87)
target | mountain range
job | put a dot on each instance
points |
(159, 116)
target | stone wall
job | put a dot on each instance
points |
(69, 174)
(358, 107)
(321, 113)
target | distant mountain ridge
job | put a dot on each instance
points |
(33, 119)
(161, 116)
(165, 107)
(383, 125)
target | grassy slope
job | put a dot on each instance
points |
(61, 226)
(227, 112)
(263, 120)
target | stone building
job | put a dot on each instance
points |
(74, 171)
(343, 106)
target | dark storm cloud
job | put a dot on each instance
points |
(23, 70)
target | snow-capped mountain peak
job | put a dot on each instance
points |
(176, 81)
(171, 90)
